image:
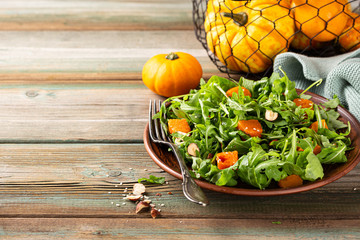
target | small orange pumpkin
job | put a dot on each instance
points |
(173, 74)
(247, 35)
(320, 20)
(350, 38)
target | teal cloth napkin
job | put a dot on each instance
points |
(340, 74)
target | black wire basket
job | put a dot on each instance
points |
(242, 37)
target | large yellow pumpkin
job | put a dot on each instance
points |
(350, 38)
(247, 35)
(303, 42)
(321, 20)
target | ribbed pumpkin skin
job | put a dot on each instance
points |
(170, 78)
(252, 47)
(320, 20)
(350, 38)
(302, 42)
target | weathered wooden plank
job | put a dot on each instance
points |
(95, 15)
(158, 229)
(94, 112)
(76, 180)
(90, 54)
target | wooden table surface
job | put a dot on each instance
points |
(73, 109)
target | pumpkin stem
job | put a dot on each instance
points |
(172, 56)
(240, 18)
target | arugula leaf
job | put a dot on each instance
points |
(314, 169)
(336, 154)
(153, 179)
(333, 103)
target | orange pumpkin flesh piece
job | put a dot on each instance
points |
(226, 159)
(290, 181)
(315, 125)
(178, 125)
(172, 74)
(316, 151)
(320, 20)
(303, 103)
(250, 127)
(233, 90)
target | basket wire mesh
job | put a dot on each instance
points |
(213, 19)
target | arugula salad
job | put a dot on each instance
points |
(256, 132)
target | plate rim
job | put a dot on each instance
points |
(258, 192)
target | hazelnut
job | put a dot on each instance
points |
(141, 206)
(134, 198)
(155, 213)
(192, 149)
(270, 115)
(138, 189)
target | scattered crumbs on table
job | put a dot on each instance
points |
(162, 204)
(112, 203)
(126, 189)
(276, 222)
(170, 193)
(123, 203)
(116, 185)
(118, 205)
(109, 192)
(158, 194)
(354, 188)
(130, 168)
(145, 169)
(166, 182)
(120, 183)
(180, 221)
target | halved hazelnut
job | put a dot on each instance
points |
(139, 189)
(141, 206)
(155, 213)
(270, 115)
(134, 198)
(192, 149)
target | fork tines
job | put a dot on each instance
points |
(156, 132)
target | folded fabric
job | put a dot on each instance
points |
(340, 74)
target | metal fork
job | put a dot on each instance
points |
(157, 134)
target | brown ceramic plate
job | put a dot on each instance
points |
(332, 172)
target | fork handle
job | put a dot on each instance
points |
(191, 190)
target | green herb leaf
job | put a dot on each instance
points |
(153, 179)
